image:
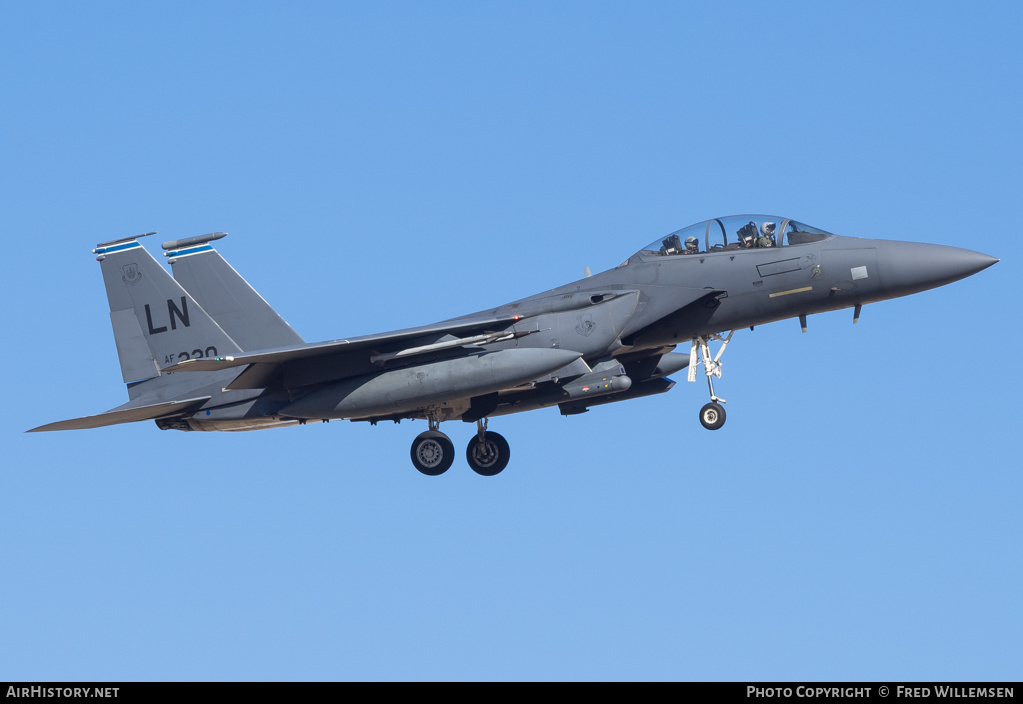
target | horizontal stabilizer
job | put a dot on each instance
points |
(127, 415)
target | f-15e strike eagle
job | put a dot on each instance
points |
(203, 350)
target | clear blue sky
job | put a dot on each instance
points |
(387, 164)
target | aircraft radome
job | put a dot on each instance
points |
(203, 351)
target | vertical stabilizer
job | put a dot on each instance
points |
(226, 296)
(156, 322)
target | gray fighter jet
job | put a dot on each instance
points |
(203, 350)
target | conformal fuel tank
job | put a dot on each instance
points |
(410, 388)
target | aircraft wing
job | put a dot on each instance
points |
(367, 343)
(126, 415)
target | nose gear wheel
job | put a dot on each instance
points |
(712, 416)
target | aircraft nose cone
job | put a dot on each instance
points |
(909, 267)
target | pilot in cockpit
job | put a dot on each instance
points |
(766, 234)
(692, 246)
(671, 245)
(748, 235)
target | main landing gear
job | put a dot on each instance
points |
(433, 452)
(712, 415)
(488, 453)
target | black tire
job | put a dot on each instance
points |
(432, 453)
(712, 416)
(489, 457)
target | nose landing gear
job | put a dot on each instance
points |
(712, 415)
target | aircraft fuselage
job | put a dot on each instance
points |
(203, 351)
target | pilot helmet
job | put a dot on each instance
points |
(691, 243)
(767, 229)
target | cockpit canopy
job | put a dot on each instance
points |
(736, 232)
